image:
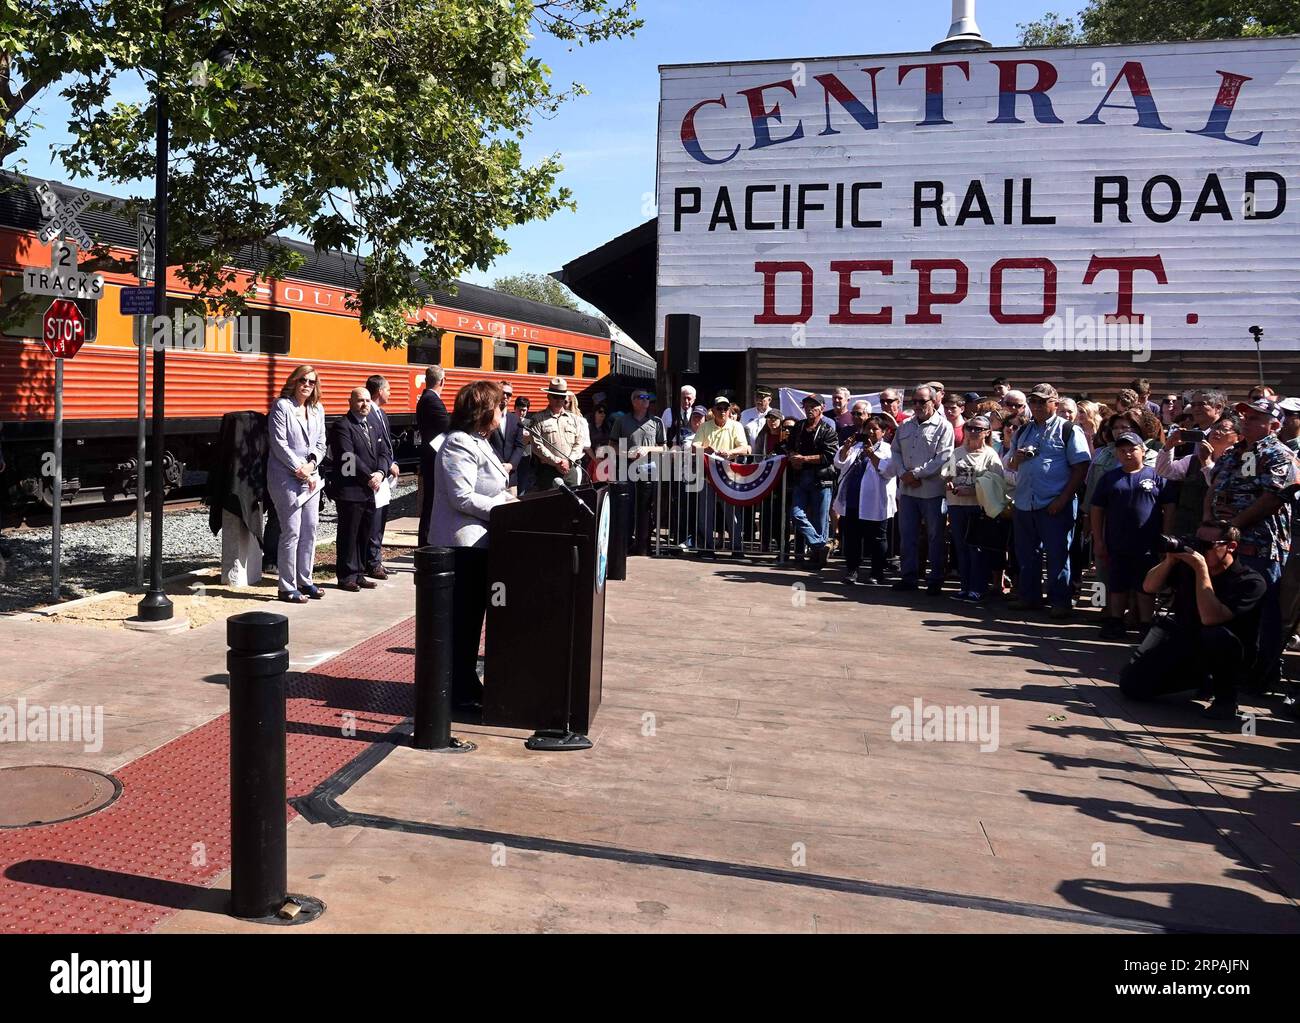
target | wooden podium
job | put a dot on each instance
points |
(545, 653)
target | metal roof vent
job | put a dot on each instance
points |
(963, 34)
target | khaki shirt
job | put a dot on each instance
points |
(563, 431)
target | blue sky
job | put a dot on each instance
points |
(607, 139)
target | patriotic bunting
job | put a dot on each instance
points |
(744, 484)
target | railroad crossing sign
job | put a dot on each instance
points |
(145, 249)
(63, 328)
(62, 215)
(61, 278)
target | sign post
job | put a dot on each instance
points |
(156, 606)
(144, 241)
(63, 329)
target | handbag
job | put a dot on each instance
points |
(988, 534)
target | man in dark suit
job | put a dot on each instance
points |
(432, 420)
(507, 440)
(380, 391)
(359, 462)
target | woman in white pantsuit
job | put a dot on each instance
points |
(297, 447)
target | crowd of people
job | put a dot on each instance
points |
(1025, 496)
(1040, 499)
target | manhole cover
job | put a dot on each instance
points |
(30, 796)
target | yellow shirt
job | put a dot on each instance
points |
(730, 436)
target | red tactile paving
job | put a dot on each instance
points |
(167, 837)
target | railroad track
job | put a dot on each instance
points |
(36, 516)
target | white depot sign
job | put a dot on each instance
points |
(1144, 195)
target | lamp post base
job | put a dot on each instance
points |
(155, 607)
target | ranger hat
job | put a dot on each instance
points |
(559, 387)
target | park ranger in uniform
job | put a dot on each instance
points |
(562, 432)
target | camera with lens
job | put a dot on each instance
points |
(1191, 436)
(1029, 451)
(1181, 545)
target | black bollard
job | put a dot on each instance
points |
(622, 497)
(259, 857)
(435, 576)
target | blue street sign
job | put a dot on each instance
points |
(137, 301)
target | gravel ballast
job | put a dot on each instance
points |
(98, 557)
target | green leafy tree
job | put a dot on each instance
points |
(1137, 21)
(382, 127)
(1049, 30)
(538, 287)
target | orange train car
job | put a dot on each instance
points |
(224, 367)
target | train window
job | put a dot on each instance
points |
(468, 352)
(29, 324)
(425, 349)
(505, 357)
(263, 332)
(564, 363)
(590, 367)
(538, 362)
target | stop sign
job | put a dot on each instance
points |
(63, 328)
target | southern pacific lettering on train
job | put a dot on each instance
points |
(973, 199)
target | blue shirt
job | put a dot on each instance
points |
(1041, 479)
(1132, 501)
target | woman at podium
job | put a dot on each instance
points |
(470, 482)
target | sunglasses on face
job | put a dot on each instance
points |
(305, 382)
(889, 401)
(644, 397)
(858, 413)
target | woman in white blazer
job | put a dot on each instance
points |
(864, 464)
(297, 448)
(470, 480)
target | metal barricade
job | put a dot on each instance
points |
(691, 517)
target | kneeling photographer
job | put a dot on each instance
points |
(1214, 628)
